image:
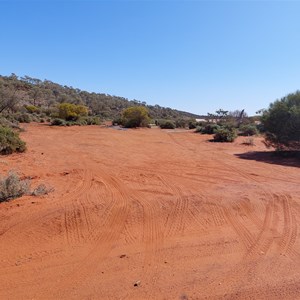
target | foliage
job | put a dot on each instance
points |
(136, 116)
(10, 141)
(17, 92)
(167, 124)
(181, 123)
(225, 135)
(210, 129)
(71, 112)
(23, 117)
(248, 141)
(198, 129)
(282, 123)
(58, 122)
(248, 130)
(11, 187)
(32, 109)
(42, 189)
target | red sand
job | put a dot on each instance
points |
(179, 216)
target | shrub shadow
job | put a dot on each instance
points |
(290, 159)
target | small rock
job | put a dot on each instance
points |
(123, 255)
(137, 283)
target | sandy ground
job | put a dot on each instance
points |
(169, 212)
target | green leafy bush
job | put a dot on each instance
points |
(136, 116)
(282, 123)
(32, 109)
(181, 123)
(71, 112)
(248, 130)
(198, 129)
(225, 135)
(10, 141)
(11, 187)
(210, 129)
(23, 118)
(58, 122)
(167, 125)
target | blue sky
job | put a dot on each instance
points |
(195, 56)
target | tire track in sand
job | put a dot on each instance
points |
(112, 224)
(289, 234)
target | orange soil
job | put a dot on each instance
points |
(182, 217)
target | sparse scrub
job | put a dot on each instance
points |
(11, 187)
(10, 141)
(249, 142)
(42, 189)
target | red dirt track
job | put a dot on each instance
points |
(179, 216)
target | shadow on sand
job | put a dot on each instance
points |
(290, 159)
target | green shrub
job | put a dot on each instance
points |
(32, 109)
(11, 187)
(23, 118)
(12, 123)
(248, 130)
(198, 129)
(136, 116)
(10, 141)
(42, 189)
(225, 135)
(71, 112)
(167, 125)
(282, 123)
(58, 122)
(210, 129)
(248, 141)
(181, 123)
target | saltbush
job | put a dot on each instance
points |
(10, 141)
(11, 187)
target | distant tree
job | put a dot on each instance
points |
(136, 116)
(282, 123)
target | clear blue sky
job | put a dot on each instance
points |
(191, 55)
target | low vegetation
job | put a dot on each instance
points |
(225, 135)
(12, 187)
(166, 124)
(281, 122)
(10, 141)
(136, 116)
